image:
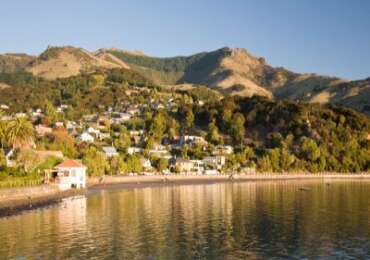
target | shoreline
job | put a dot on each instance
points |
(18, 200)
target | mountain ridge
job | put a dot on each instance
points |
(232, 71)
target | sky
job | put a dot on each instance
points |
(329, 37)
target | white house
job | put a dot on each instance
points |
(132, 150)
(146, 164)
(86, 137)
(110, 151)
(68, 174)
(92, 130)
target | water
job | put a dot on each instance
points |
(254, 220)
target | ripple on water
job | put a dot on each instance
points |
(221, 221)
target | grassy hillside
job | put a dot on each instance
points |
(159, 70)
(237, 72)
(14, 62)
(64, 62)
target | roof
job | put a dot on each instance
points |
(68, 163)
(109, 149)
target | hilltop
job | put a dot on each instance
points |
(63, 62)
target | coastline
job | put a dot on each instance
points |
(18, 200)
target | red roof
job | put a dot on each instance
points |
(70, 164)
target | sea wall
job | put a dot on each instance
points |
(106, 180)
(27, 192)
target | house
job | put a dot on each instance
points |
(146, 164)
(215, 162)
(19, 115)
(223, 150)
(184, 165)
(92, 130)
(59, 124)
(9, 157)
(198, 166)
(110, 151)
(4, 107)
(118, 118)
(86, 137)
(103, 136)
(192, 139)
(132, 150)
(68, 174)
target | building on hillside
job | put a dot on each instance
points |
(132, 150)
(4, 107)
(215, 162)
(223, 150)
(192, 139)
(146, 164)
(184, 165)
(86, 137)
(59, 124)
(92, 130)
(198, 167)
(9, 154)
(103, 136)
(110, 151)
(66, 175)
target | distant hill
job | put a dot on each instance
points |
(237, 72)
(231, 71)
(14, 62)
(63, 62)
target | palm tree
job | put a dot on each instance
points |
(2, 130)
(19, 132)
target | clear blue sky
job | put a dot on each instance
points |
(330, 37)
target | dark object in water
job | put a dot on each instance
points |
(305, 189)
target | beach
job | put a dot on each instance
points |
(15, 201)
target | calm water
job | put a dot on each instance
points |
(219, 221)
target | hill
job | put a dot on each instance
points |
(231, 71)
(235, 71)
(14, 62)
(64, 62)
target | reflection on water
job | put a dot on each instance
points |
(219, 221)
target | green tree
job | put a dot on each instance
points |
(213, 134)
(2, 159)
(27, 160)
(188, 121)
(50, 113)
(237, 128)
(309, 149)
(134, 164)
(118, 165)
(95, 162)
(157, 127)
(123, 141)
(20, 132)
(3, 127)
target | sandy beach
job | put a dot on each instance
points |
(15, 201)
